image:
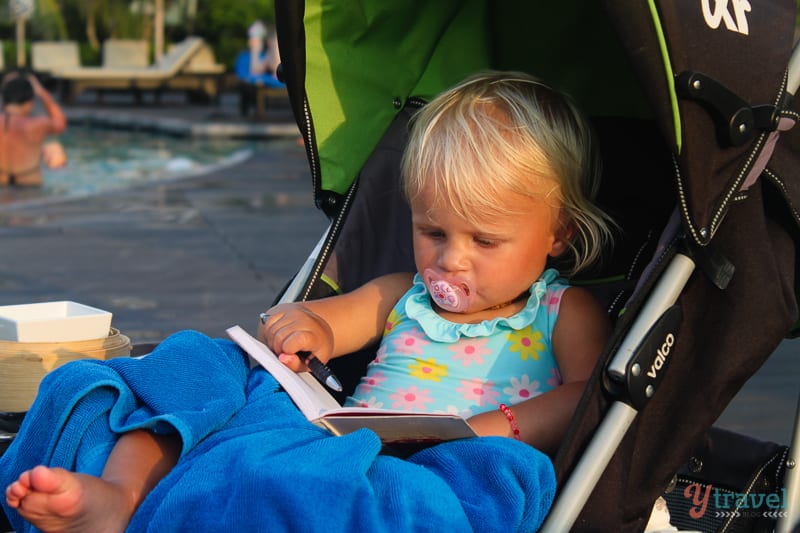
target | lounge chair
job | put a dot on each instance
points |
(185, 62)
(123, 53)
(47, 56)
(202, 74)
(126, 53)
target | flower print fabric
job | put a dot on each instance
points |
(428, 364)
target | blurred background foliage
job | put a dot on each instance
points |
(223, 23)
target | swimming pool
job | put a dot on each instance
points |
(104, 159)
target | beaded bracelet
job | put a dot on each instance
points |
(511, 420)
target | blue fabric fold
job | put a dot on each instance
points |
(252, 462)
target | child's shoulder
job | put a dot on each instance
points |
(580, 308)
(576, 298)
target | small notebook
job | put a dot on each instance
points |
(317, 404)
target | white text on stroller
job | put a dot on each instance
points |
(661, 356)
(721, 13)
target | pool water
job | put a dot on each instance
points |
(102, 159)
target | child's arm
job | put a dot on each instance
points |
(579, 336)
(333, 326)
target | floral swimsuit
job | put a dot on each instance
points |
(426, 363)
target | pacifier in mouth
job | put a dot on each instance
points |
(451, 295)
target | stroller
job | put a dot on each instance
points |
(692, 103)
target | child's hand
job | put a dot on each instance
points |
(292, 328)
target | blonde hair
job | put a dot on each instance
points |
(506, 132)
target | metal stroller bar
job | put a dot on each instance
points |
(664, 295)
(790, 519)
(620, 416)
(793, 78)
(295, 288)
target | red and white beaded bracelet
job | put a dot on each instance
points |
(511, 420)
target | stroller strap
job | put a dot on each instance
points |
(784, 124)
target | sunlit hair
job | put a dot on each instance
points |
(506, 132)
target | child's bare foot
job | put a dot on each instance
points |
(54, 499)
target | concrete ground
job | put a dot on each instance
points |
(203, 253)
(212, 251)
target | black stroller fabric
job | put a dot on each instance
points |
(725, 334)
(737, 62)
(731, 483)
(714, 355)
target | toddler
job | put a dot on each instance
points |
(499, 174)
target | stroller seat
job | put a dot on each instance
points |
(691, 103)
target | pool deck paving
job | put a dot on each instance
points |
(203, 252)
(211, 251)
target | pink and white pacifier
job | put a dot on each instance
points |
(452, 295)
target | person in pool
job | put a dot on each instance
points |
(23, 136)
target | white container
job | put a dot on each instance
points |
(53, 322)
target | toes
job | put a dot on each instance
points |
(14, 494)
(47, 480)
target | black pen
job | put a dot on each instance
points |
(320, 371)
(317, 367)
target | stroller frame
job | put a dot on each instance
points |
(651, 325)
(623, 368)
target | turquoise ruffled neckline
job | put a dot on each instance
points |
(419, 307)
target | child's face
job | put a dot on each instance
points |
(494, 261)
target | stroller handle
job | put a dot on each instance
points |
(793, 80)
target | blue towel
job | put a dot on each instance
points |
(252, 462)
